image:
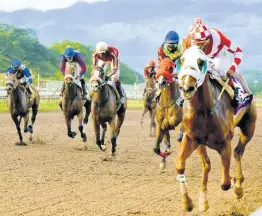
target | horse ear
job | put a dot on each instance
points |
(178, 65)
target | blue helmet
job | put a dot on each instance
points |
(16, 63)
(172, 37)
(69, 52)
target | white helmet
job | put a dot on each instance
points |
(101, 47)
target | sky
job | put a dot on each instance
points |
(44, 5)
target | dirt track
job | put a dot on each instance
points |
(56, 176)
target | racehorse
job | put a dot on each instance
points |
(149, 104)
(19, 105)
(168, 114)
(72, 102)
(104, 108)
(203, 128)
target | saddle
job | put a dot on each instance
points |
(228, 88)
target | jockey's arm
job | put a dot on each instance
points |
(115, 64)
(28, 75)
(145, 72)
(234, 49)
(82, 64)
(62, 65)
(94, 59)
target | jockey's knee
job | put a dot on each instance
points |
(117, 82)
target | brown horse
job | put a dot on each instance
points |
(168, 116)
(104, 109)
(72, 103)
(201, 128)
(19, 105)
(149, 105)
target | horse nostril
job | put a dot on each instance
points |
(191, 88)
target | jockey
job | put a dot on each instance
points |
(104, 55)
(214, 43)
(23, 74)
(166, 69)
(149, 70)
(71, 55)
(170, 48)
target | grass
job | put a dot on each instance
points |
(47, 105)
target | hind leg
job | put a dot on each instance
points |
(152, 123)
(80, 126)
(120, 119)
(96, 127)
(26, 120)
(113, 135)
(247, 129)
(34, 114)
(143, 115)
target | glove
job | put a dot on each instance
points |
(106, 77)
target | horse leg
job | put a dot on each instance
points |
(34, 114)
(70, 133)
(186, 148)
(120, 119)
(159, 138)
(143, 114)
(206, 166)
(104, 126)
(153, 123)
(96, 127)
(113, 135)
(80, 126)
(26, 120)
(88, 110)
(246, 133)
(15, 120)
(225, 154)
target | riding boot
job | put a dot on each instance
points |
(241, 97)
(30, 95)
(83, 84)
(62, 89)
(180, 101)
(120, 91)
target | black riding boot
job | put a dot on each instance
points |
(28, 90)
(119, 89)
(83, 84)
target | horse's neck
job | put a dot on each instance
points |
(150, 83)
(19, 98)
(101, 95)
(203, 98)
(169, 95)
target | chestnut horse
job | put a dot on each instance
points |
(149, 104)
(104, 109)
(168, 116)
(201, 128)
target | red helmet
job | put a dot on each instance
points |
(151, 63)
(199, 31)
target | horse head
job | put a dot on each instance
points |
(192, 68)
(98, 72)
(11, 83)
(70, 72)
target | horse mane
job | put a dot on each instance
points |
(96, 78)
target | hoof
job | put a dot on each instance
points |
(203, 207)
(226, 187)
(72, 134)
(84, 137)
(103, 147)
(157, 151)
(26, 130)
(187, 204)
(21, 143)
(162, 164)
(30, 129)
(239, 192)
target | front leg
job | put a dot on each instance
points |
(70, 133)
(113, 135)
(96, 127)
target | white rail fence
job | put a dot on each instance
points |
(51, 89)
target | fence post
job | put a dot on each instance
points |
(38, 82)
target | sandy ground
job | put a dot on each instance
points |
(55, 175)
